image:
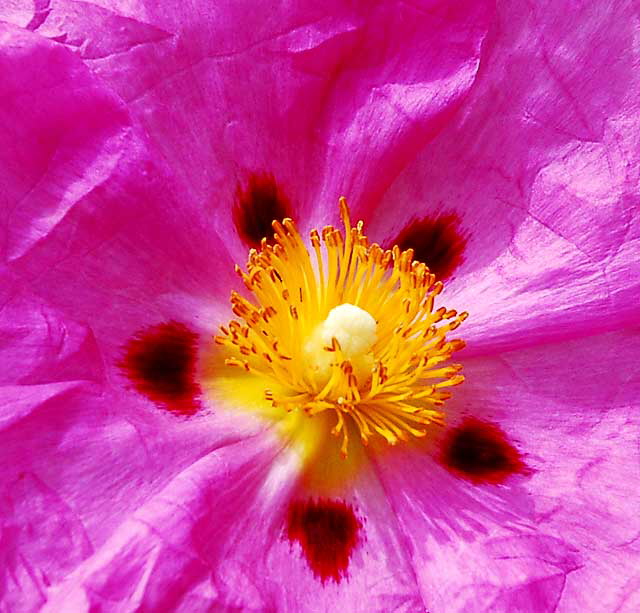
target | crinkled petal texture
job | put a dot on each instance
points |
(289, 90)
(539, 174)
(553, 538)
(212, 538)
(145, 146)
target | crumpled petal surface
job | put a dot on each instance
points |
(77, 458)
(125, 131)
(331, 71)
(84, 199)
(539, 538)
(541, 169)
(43, 540)
(196, 544)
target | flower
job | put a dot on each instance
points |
(146, 147)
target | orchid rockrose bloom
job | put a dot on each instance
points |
(319, 306)
(352, 332)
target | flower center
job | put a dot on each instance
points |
(351, 330)
(354, 329)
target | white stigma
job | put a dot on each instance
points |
(352, 327)
(355, 330)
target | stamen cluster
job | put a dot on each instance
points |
(294, 292)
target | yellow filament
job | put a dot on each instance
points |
(294, 293)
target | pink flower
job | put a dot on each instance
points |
(146, 146)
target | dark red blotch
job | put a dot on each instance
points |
(327, 531)
(480, 452)
(160, 361)
(256, 205)
(437, 242)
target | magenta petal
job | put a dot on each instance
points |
(85, 200)
(60, 148)
(95, 454)
(379, 575)
(42, 540)
(408, 87)
(163, 557)
(253, 87)
(474, 546)
(38, 344)
(214, 537)
(102, 455)
(538, 538)
(540, 167)
(578, 435)
(70, 22)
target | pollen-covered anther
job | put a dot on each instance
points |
(348, 328)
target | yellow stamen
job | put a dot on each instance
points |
(388, 379)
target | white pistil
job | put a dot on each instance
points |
(355, 330)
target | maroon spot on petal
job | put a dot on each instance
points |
(437, 242)
(256, 205)
(480, 452)
(327, 531)
(160, 361)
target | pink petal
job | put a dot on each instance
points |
(93, 447)
(540, 166)
(164, 555)
(109, 181)
(538, 539)
(609, 583)
(37, 345)
(214, 537)
(572, 407)
(42, 540)
(59, 147)
(69, 22)
(101, 457)
(474, 546)
(379, 576)
(259, 88)
(97, 452)
(109, 242)
(85, 201)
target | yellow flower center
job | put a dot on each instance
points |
(351, 330)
